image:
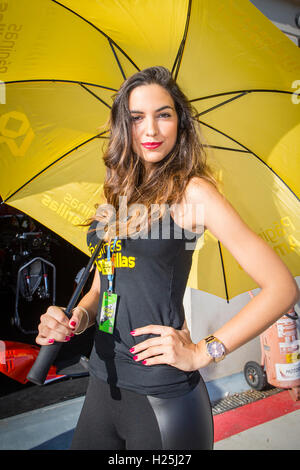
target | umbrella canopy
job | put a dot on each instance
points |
(62, 61)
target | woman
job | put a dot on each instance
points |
(145, 389)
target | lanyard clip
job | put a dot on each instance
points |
(111, 270)
(110, 286)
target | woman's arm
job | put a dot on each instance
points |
(279, 291)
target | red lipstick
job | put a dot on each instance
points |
(151, 145)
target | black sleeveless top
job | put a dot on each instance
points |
(150, 278)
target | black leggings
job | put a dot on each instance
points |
(118, 419)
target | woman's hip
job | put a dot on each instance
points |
(185, 422)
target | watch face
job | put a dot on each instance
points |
(215, 349)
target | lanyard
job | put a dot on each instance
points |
(111, 276)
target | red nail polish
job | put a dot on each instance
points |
(51, 341)
(135, 358)
(132, 332)
(67, 338)
(131, 350)
(72, 334)
(73, 323)
(144, 362)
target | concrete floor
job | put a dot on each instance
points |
(278, 434)
(51, 428)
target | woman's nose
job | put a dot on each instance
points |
(151, 127)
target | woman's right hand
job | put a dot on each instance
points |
(56, 326)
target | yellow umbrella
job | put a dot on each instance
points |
(62, 61)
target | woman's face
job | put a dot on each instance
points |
(154, 122)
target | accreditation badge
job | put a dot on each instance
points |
(108, 312)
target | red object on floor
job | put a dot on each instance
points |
(16, 360)
(247, 416)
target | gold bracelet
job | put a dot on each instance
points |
(87, 317)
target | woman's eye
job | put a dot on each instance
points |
(139, 118)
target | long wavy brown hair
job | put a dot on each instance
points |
(126, 176)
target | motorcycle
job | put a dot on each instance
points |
(28, 276)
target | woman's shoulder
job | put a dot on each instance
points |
(199, 188)
(205, 197)
(190, 211)
(202, 192)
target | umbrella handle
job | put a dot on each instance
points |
(47, 354)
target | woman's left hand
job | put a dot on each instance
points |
(171, 346)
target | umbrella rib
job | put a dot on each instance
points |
(221, 104)
(55, 161)
(95, 96)
(249, 151)
(117, 59)
(231, 138)
(179, 55)
(226, 148)
(223, 270)
(99, 30)
(59, 80)
(242, 92)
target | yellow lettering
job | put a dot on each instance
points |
(282, 249)
(294, 243)
(131, 262)
(271, 235)
(53, 205)
(118, 245)
(124, 262)
(286, 221)
(263, 236)
(46, 200)
(70, 215)
(99, 265)
(74, 203)
(76, 220)
(68, 198)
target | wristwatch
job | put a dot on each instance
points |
(215, 348)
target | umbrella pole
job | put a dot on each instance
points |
(48, 354)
